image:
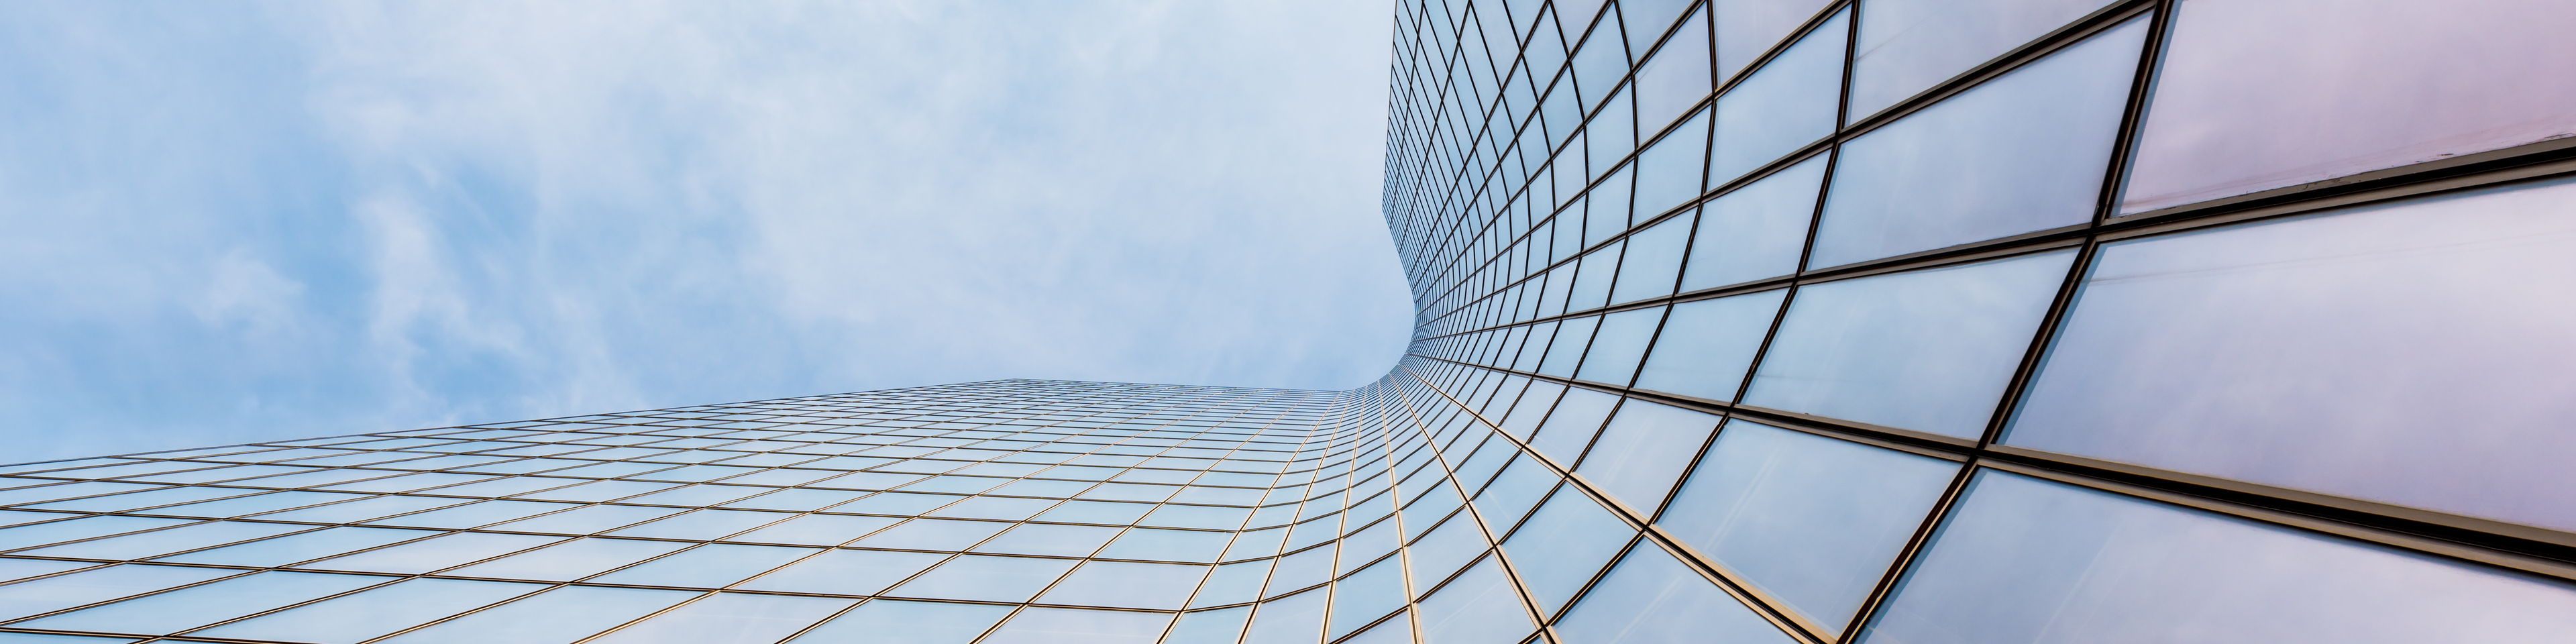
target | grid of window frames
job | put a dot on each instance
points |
(2001, 321)
(1908, 321)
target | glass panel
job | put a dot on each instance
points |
(994, 507)
(1651, 598)
(147, 544)
(255, 504)
(363, 509)
(1305, 568)
(2406, 335)
(846, 572)
(934, 534)
(569, 560)
(1197, 516)
(192, 607)
(1669, 172)
(1066, 626)
(470, 515)
(1788, 104)
(2261, 95)
(1812, 520)
(435, 553)
(1708, 345)
(1653, 261)
(1054, 540)
(1397, 630)
(1643, 450)
(1127, 585)
(900, 622)
(1758, 230)
(1513, 492)
(1747, 28)
(708, 566)
(2024, 560)
(1168, 545)
(292, 548)
(1210, 627)
(1365, 596)
(1571, 426)
(1233, 583)
(1478, 607)
(819, 530)
(358, 617)
(57, 593)
(1928, 350)
(1097, 512)
(1563, 545)
(589, 519)
(981, 578)
(2023, 152)
(1289, 620)
(1677, 77)
(16, 569)
(704, 524)
(730, 618)
(1907, 46)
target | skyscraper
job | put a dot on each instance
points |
(1901, 321)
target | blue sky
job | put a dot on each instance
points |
(237, 221)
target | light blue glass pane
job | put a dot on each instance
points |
(1669, 171)
(2238, 352)
(1532, 408)
(897, 503)
(1677, 77)
(1758, 231)
(82, 528)
(1619, 344)
(846, 572)
(587, 520)
(570, 560)
(470, 515)
(255, 504)
(1653, 261)
(1563, 545)
(598, 491)
(365, 615)
(1294, 619)
(1395, 630)
(819, 530)
(434, 553)
(1197, 516)
(1651, 598)
(1367, 545)
(2022, 152)
(1513, 492)
(147, 544)
(1747, 28)
(1643, 450)
(2023, 560)
(1612, 133)
(697, 495)
(1786, 105)
(1067, 626)
(708, 566)
(1052, 540)
(144, 499)
(1361, 598)
(982, 578)
(16, 569)
(730, 618)
(1814, 521)
(1592, 281)
(1708, 345)
(40, 638)
(1478, 607)
(1907, 46)
(797, 499)
(1127, 585)
(934, 534)
(1103, 512)
(997, 507)
(1233, 583)
(292, 548)
(1222, 626)
(1926, 350)
(1303, 569)
(33, 493)
(1167, 545)
(188, 608)
(901, 622)
(552, 617)
(1257, 543)
(1570, 427)
(57, 593)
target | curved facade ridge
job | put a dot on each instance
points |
(1793, 321)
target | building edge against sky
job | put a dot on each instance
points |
(1795, 321)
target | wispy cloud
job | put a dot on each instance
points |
(270, 220)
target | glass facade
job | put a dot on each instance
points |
(1797, 321)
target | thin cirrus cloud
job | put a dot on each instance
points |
(238, 221)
